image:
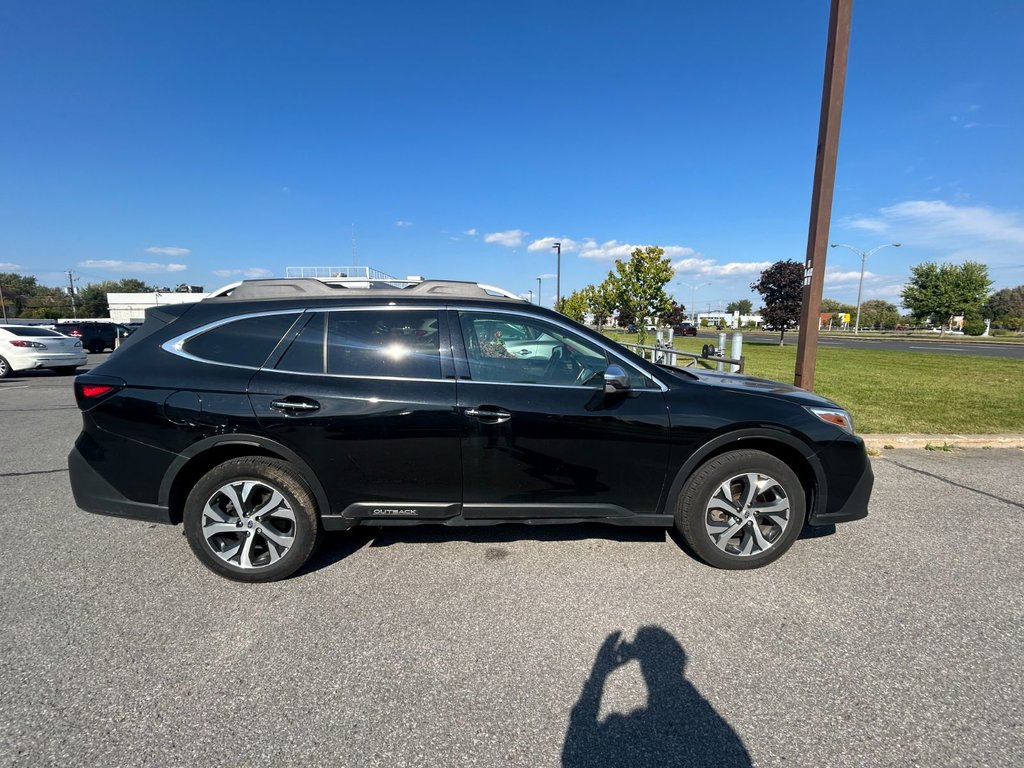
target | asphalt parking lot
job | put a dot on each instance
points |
(896, 640)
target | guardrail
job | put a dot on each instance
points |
(710, 357)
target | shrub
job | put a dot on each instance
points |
(974, 325)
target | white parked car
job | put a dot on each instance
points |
(27, 347)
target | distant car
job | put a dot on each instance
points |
(684, 329)
(28, 347)
(95, 336)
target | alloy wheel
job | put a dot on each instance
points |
(747, 514)
(248, 524)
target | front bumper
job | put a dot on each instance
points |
(854, 507)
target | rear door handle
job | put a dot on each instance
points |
(490, 416)
(295, 405)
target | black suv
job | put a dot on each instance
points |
(95, 336)
(288, 407)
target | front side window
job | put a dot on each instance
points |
(394, 343)
(248, 341)
(529, 351)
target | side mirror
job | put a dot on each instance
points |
(615, 380)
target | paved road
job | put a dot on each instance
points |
(896, 640)
(986, 349)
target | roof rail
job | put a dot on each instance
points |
(286, 288)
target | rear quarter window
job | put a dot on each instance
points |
(247, 341)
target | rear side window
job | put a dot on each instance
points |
(248, 341)
(403, 344)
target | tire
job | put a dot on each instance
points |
(720, 521)
(5, 368)
(246, 547)
(66, 370)
(96, 347)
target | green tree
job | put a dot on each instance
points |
(743, 306)
(574, 306)
(877, 313)
(603, 298)
(18, 290)
(941, 291)
(47, 303)
(640, 285)
(1005, 308)
(624, 317)
(833, 306)
(781, 287)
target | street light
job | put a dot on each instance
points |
(863, 261)
(693, 296)
(558, 274)
(539, 278)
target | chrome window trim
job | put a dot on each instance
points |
(519, 313)
(176, 345)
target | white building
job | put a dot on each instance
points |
(131, 307)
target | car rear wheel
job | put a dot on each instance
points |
(5, 368)
(252, 519)
(96, 347)
(740, 510)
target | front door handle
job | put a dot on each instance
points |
(490, 416)
(295, 405)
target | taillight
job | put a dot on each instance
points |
(27, 344)
(91, 390)
(75, 333)
(96, 390)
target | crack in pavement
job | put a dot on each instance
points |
(958, 485)
(33, 472)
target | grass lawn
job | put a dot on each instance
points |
(892, 391)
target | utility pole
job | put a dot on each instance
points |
(863, 262)
(2, 304)
(558, 274)
(824, 186)
(71, 293)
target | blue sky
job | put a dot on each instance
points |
(202, 141)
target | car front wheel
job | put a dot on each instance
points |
(742, 509)
(5, 368)
(252, 519)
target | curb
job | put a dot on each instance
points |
(880, 442)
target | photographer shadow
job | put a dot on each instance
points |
(678, 727)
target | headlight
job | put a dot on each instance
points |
(836, 416)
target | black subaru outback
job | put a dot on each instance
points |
(289, 407)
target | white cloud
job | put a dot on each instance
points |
(168, 251)
(838, 277)
(9, 265)
(547, 243)
(510, 238)
(252, 272)
(550, 276)
(740, 268)
(131, 266)
(940, 225)
(470, 232)
(401, 224)
(610, 250)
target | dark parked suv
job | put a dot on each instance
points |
(95, 336)
(290, 407)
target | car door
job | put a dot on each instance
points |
(360, 395)
(541, 437)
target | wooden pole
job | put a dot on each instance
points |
(824, 185)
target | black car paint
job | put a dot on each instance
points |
(391, 451)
